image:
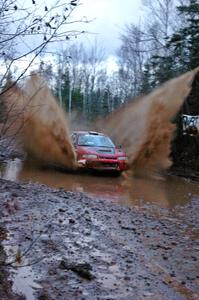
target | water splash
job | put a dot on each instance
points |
(143, 127)
(37, 121)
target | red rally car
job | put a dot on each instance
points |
(96, 151)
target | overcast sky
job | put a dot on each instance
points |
(109, 18)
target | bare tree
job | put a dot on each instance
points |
(132, 55)
(142, 42)
(85, 69)
(27, 29)
(160, 23)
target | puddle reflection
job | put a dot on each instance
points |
(167, 193)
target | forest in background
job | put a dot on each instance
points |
(150, 54)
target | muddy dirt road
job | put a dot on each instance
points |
(69, 246)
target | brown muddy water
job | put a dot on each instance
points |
(168, 193)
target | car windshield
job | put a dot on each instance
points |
(90, 140)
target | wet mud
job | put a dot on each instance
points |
(67, 245)
(6, 291)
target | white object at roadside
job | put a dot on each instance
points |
(190, 124)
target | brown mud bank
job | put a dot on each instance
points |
(65, 245)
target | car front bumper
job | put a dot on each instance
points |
(103, 164)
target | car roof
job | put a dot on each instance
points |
(87, 132)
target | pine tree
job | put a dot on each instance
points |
(184, 44)
(65, 82)
(185, 47)
(146, 87)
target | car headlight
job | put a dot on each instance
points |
(92, 156)
(124, 158)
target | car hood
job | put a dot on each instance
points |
(102, 151)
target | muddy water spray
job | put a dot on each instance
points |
(144, 127)
(39, 123)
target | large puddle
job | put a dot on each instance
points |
(166, 193)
